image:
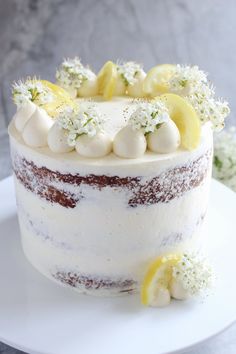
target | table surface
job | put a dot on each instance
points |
(35, 35)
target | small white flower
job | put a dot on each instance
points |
(210, 109)
(224, 161)
(30, 90)
(72, 73)
(148, 116)
(187, 79)
(194, 273)
(128, 72)
(85, 120)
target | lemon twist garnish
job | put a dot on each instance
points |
(158, 274)
(186, 119)
(156, 81)
(61, 99)
(107, 80)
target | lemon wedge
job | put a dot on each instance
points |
(61, 99)
(107, 80)
(158, 277)
(57, 90)
(156, 81)
(186, 119)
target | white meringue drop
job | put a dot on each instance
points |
(161, 298)
(165, 139)
(57, 139)
(120, 87)
(23, 114)
(129, 143)
(89, 88)
(177, 290)
(97, 146)
(36, 129)
(136, 90)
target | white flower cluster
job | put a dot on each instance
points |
(85, 120)
(210, 109)
(72, 73)
(224, 161)
(192, 83)
(30, 90)
(148, 116)
(194, 273)
(128, 72)
(187, 79)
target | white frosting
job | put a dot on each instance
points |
(161, 297)
(35, 131)
(89, 88)
(148, 164)
(177, 291)
(96, 146)
(136, 90)
(115, 112)
(102, 236)
(57, 139)
(23, 114)
(165, 139)
(129, 143)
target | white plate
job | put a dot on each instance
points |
(38, 316)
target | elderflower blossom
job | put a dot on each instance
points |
(30, 90)
(192, 84)
(85, 120)
(194, 273)
(128, 72)
(187, 79)
(224, 161)
(72, 73)
(210, 109)
(148, 116)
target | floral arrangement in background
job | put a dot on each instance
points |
(224, 160)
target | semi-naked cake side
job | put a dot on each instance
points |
(108, 184)
(96, 226)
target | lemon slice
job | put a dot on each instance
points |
(186, 119)
(57, 90)
(61, 99)
(158, 275)
(107, 80)
(156, 81)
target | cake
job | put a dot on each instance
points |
(112, 175)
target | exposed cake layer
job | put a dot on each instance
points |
(54, 186)
(105, 239)
(96, 225)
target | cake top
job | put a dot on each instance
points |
(121, 109)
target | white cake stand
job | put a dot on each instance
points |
(38, 316)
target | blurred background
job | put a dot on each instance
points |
(35, 36)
